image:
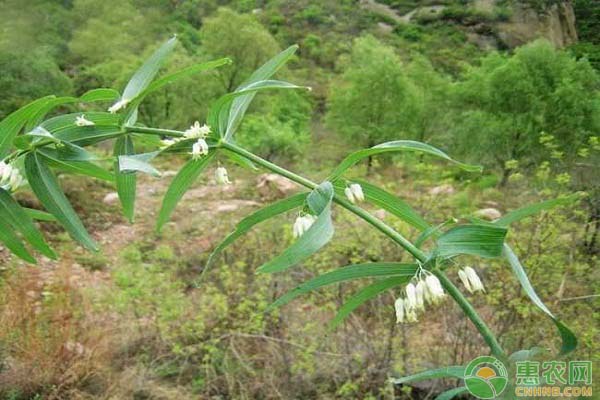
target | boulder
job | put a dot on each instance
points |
(111, 198)
(442, 189)
(488, 213)
(272, 186)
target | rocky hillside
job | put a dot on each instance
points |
(489, 23)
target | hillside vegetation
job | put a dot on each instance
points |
(144, 319)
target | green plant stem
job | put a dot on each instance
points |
(154, 131)
(365, 215)
(468, 309)
(376, 222)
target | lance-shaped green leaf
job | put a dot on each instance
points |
(483, 240)
(40, 113)
(265, 213)
(145, 74)
(56, 125)
(527, 211)
(366, 270)
(456, 371)
(180, 184)
(241, 104)
(317, 236)
(100, 94)
(452, 393)
(45, 186)
(218, 115)
(126, 181)
(39, 215)
(393, 204)
(394, 147)
(433, 231)
(39, 134)
(20, 220)
(175, 76)
(13, 243)
(139, 163)
(13, 123)
(72, 158)
(364, 295)
(85, 168)
(569, 341)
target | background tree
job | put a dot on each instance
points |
(374, 100)
(504, 106)
(240, 37)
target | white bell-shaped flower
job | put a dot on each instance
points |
(196, 131)
(465, 280)
(434, 288)
(349, 194)
(421, 290)
(399, 307)
(411, 314)
(80, 120)
(5, 170)
(474, 280)
(303, 224)
(411, 296)
(200, 148)
(221, 176)
(357, 192)
(122, 103)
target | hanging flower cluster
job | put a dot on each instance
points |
(471, 280)
(302, 224)
(354, 193)
(427, 290)
(10, 177)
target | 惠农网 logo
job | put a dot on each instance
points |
(486, 377)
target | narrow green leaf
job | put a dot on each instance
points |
(175, 76)
(313, 239)
(101, 94)
(56, 125)
(144, 76)
(126, 181)
(85, 168)
(89, 136)
(45, 186)
(478, 240)
(456, 371)
(180, 184)
(452, 393)
(67, 151)
(13, 123)
(524, 212)
(256, 218)
(392, 147)
(13, 243)
(569, 340)
(221, 110)
(240, 104)
(40, 113)
(139, 163)
(393, 204)
(16, 216)
(433, 231)
(39, 215)
(356, 271)
(26, 141)
(146, 73)
(364, 295)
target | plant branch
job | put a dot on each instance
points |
(468, 309)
